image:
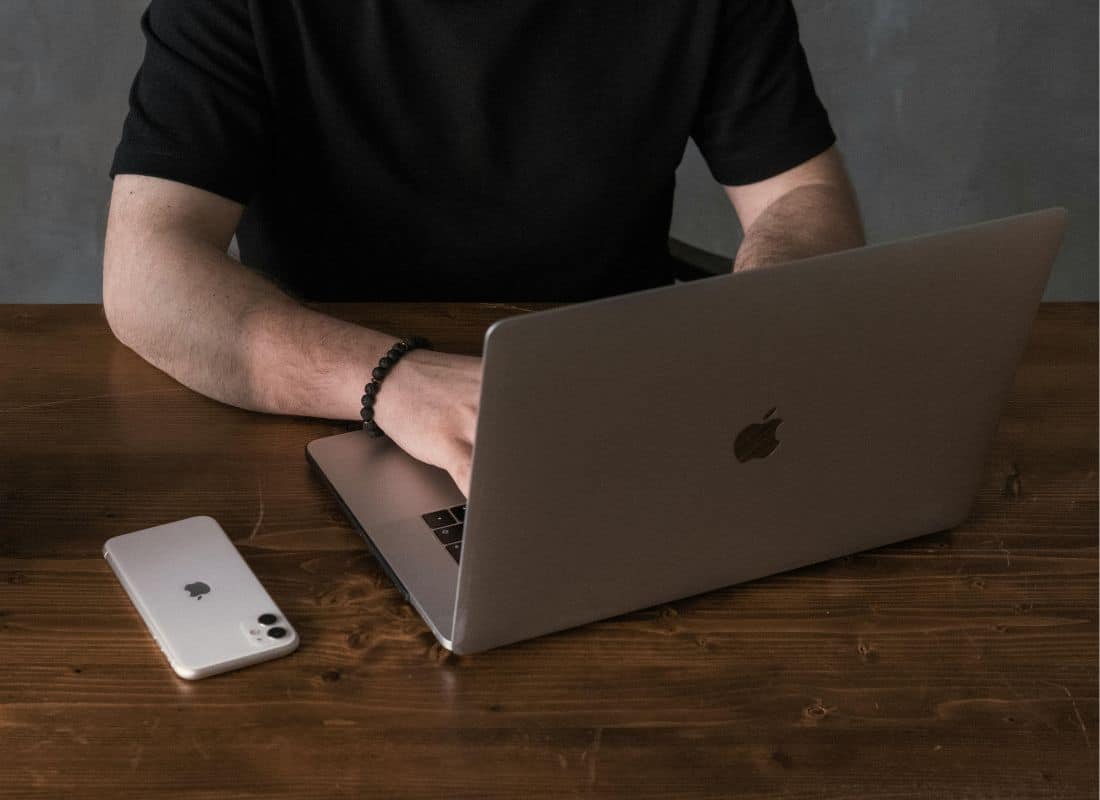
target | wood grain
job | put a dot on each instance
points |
(960, 664)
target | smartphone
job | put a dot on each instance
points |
(201, 602)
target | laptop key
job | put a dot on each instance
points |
(449, 535)
(455, 550)
(437, 519)
(459, 512)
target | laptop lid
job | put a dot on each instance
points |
(625, 452)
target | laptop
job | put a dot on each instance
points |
(642, 448)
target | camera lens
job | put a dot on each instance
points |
(276, 632)
(266, 619)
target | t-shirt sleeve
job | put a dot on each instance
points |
(759, 115)
(199, 108)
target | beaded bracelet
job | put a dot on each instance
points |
(385, 364)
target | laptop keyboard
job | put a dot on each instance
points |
(447, 527)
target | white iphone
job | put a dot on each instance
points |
(201, 602)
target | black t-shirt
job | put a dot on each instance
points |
(465, 149)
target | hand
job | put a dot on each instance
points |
(428, 406)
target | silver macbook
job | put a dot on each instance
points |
(642, 448)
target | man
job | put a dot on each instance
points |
(437, 149)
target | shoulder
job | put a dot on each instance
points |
(182, 16)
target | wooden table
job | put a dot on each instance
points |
(960, 664)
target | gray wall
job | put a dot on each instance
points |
(948, 112)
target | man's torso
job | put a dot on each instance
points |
(473, 150)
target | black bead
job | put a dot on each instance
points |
(385, 364)
(372, 430)
(367, 413)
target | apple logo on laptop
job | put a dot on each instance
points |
(757, 440)
(197, 589)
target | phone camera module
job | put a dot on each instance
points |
(276, 632)
(267, 619)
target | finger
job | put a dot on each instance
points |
(462, 477)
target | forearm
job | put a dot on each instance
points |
(806, 221)
(224, 331)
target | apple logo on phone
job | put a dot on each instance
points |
(197, 589)
(757, 440)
